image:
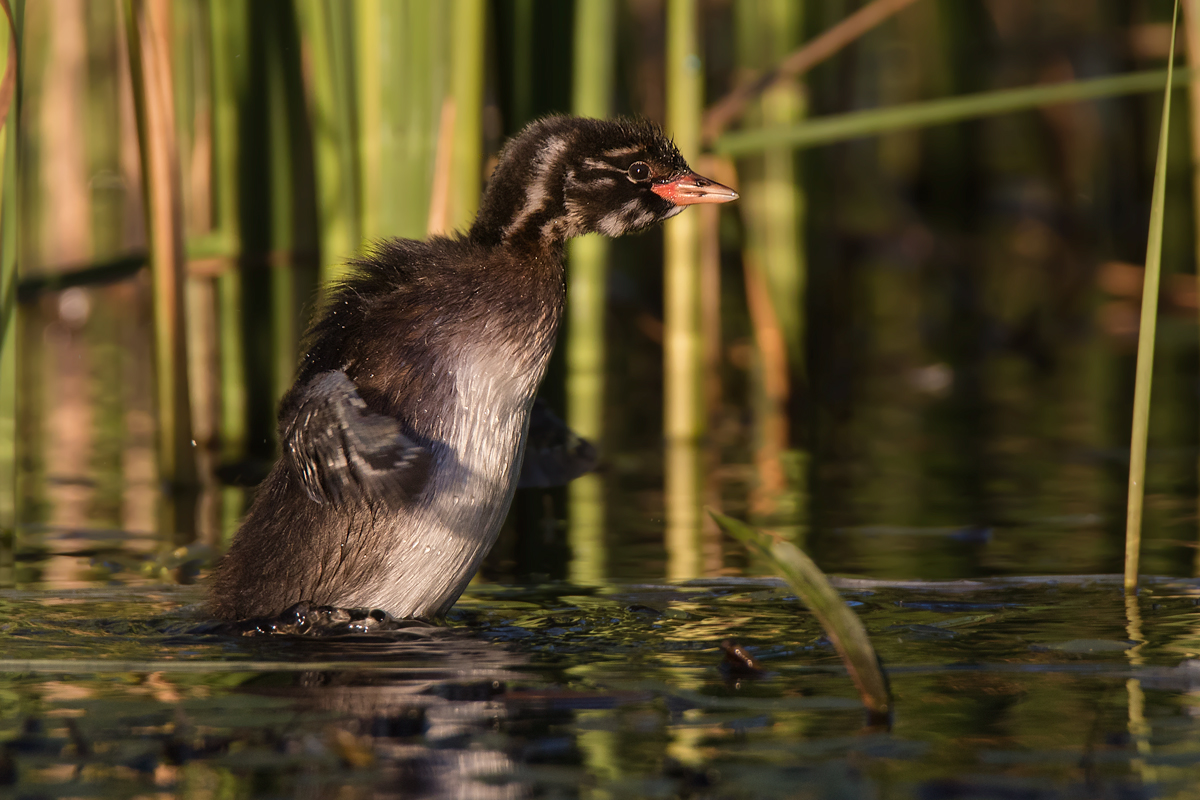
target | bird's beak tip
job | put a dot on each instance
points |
(691, 189)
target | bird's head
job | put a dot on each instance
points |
(567, 176)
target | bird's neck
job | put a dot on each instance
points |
(525, 205)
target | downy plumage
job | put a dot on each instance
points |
(404, 433)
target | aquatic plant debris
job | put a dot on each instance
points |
(840, 623)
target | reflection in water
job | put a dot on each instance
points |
(414, 724)
(586, 530)
(1019, 689)
(955, 314)
(683, 509)
(424, 734)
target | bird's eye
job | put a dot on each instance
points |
(639, 171)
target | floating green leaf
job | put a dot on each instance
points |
(841, 624)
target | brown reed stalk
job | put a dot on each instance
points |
(150, 62)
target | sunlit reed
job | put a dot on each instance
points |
(1191, 29)
(467, 51)
(1146, 334)
(149, 56)
(772, 212)
(328, 27)
(587, 297)
(683, 403)
(8, 298)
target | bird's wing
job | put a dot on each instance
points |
(340, 448)
(554, 454)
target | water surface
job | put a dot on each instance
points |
(1006, 689)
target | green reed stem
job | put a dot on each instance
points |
(1149, 323)
(468, 49)
(401, 78)
(291, 155)
(524, 39)
(417, 113)
(587, 282)
(840, 127)
(370, 33)
(328, 26)
(1191, 29)
(593, 70)
(772, 212)
(229, 29)
(411, 111)
(722, 113)
(8, 318)
(683, 338)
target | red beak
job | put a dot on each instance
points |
(690, 188)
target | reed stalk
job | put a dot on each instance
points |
(228, 31)
(279, 265)
(587, 282)
(193, 95)
(468, 47)
(374, 24)
(188, 58)
(443, 167)
(296, 227)
(858, 124)
(523, 45)
(1191, 30)
(684, 416)
(1146, 334)
(772, 211)
(105, 45)
(64, 231)
(595, 46)
(328, 26)
(8, 295)
(150, 63)
(722, 171)
(401, 81)
(725, 111)
(416, 114)
(249, 164)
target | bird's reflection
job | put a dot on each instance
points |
(423, 719)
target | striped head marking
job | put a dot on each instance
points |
(567, 176)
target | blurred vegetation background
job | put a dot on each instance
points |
(910, 344)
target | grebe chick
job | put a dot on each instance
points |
(404, 433)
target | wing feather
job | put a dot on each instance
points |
(341, 449)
